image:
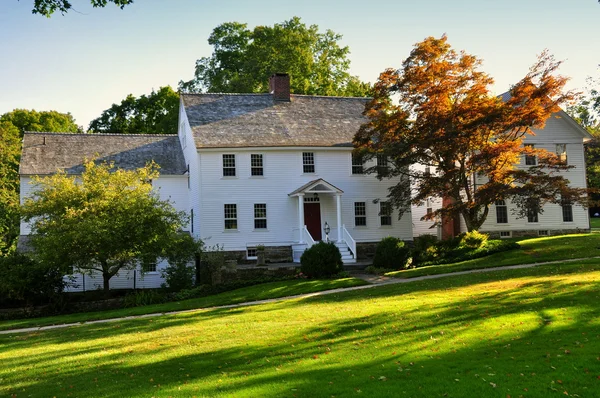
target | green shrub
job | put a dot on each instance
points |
(473, 240)
(26, 280)
(321, 260)
(143, 297)
(424, 249)
(178, 276)
(391, 253)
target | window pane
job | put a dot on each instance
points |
(256, 164)
(501, 212)
(385, 210)
(360, 214)
(357, 165)
(229, 165)
(260, 215)
(382, 165)
(530, 160)
(308, 162)
(561, 152)
(230, 216)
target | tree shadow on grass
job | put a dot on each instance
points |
(426, 349)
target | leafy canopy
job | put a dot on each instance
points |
(156, 113)
(243, 59)
(437, 111)
(48, 7)
(12, 126)
(104, 220)
(587, 112)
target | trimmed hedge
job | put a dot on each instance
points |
(391, 253)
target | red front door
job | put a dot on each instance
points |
(312, 219)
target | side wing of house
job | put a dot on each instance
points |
(561, 135)
(46, 153)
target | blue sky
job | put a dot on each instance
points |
(91, 58)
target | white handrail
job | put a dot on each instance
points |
(306, 236)
(349, 240)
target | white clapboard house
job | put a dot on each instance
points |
(273, 170)
(561, 135)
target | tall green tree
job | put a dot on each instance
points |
(437, 111)
(44, 121)
(49, 7)
(10, 153)
(156, 113)
(587, 112)
(243, 59)
(12, 126)
(102, 221)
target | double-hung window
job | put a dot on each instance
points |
(533, 209)
(385, 213)
(567, 210)
(230, 211)
(256, 164)
(382, 165)
(260, 216)
(561, 152)
(228, 165)
(360, 214)
(501, 212)
(530, 159)
(308, 162)
(357, 164)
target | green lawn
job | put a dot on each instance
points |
(251, 293)
(595, 222)
(529, 332)
(532, 251)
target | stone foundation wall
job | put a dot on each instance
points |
(534, 233)
(273, 254)
(365, 250)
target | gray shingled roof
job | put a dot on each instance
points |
(45, 153)
(252, 120)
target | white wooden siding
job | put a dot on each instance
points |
(192, 161)
(125, 279)
(282, 175)
(557, 131)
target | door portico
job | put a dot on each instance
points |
(311, 190)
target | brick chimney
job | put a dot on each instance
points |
(279, 86)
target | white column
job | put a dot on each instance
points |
(338, 201)
(301, 217)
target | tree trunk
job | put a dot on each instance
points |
(106, 276)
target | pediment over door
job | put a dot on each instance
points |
(319, 186)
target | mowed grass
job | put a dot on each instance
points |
(529, 332)
(258, 292)
(552, 248)
(595, 222)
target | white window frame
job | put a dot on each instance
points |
(561, 152)
(261, 218)
(230, 156)
(530, 158)
(362, 216)
(357, 165)
(308, 161)
(498, 206)
(253, 166)
(389, 209)
(234, 218)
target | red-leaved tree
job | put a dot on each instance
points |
(437, 111)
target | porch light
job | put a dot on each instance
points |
(316, 196)
(327, 229)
